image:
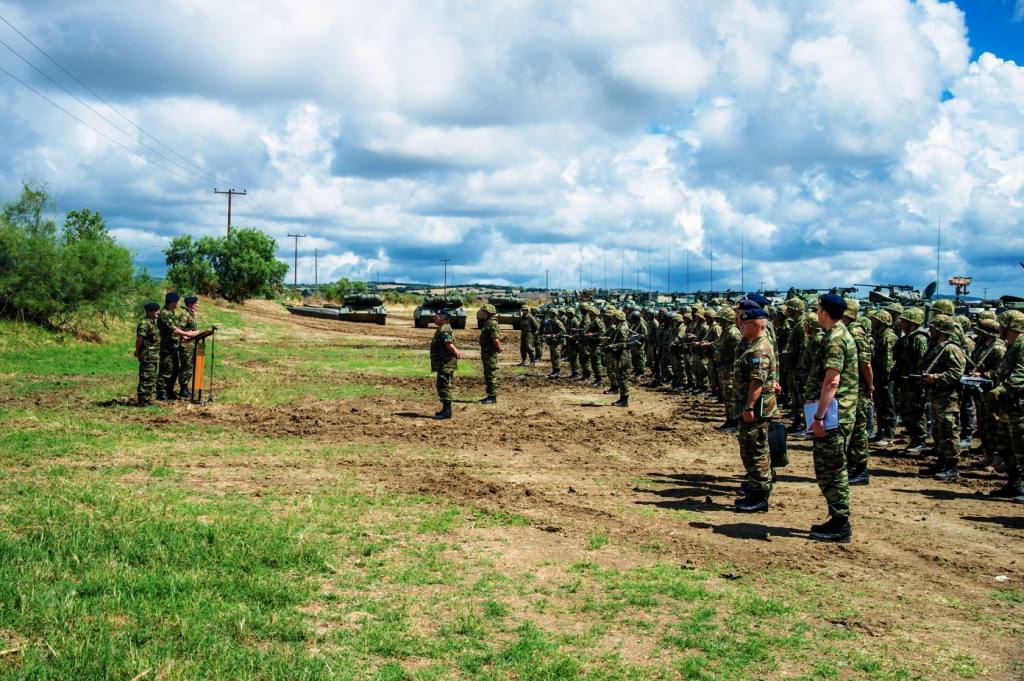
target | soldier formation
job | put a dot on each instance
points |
(165, 362)
(838, 373)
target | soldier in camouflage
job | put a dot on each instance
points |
(833, 376)
(444, 360)
(592, 331)
(528, 328)
(882, 363)
(171, 335)
(813, 336)
(942, 381)
(1006, 399)
(725, 358)
(147, 351)
(908, 357)
(653, 343)
(619, 347)
(188, 320)
(789, 360)
(754, 396)
(611, 360)
(638, 350)
(572, 341)
(857, 449)
(988, 356)
(553, 332)
(490, 347)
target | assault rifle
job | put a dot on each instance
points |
(977, 383)
(635, 340)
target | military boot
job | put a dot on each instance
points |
(859, 474)
(1010, 490)
(837, 529)
(622, 402)
(573, 375)
(937, 467)
(949, 473)
(756, 501)
(445, 413)
(490, 399)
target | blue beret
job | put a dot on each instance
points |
(191, 300)
(759, 299)
(172, 297)
(753, 312)
(152, 307)
(833, 304)
(746, 304)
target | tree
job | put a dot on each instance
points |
(28, 210)
(190, 265)
(240, 266)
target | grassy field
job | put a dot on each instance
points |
(132, 544)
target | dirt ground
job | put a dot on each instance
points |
(558, 454)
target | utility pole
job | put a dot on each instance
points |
(581, 273)
(316, 271)
(622, 270)
(668, 270)
(938, 258)
(296, 266)
(637, 289)
(445, 261)
(743, 285)
(230, 193)
(711, 253)
(547, 281)
(649, 289)
(687, 271)
(606, 271)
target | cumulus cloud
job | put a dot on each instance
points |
(831, 138)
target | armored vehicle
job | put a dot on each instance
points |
(313, 311)
(422, 315)
(367, 308)
(509, 309)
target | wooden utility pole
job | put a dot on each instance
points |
(445, 261)
(316, 271)
(230, 193)
(296, 266)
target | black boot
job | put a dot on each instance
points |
(1011, 489)
(622, 402)
(490, 399)
(936, 467)
(445, 413)
(611, 391)
(574, 374)
(859, 474)
(755, 502)
(837, 529)
(949, 473)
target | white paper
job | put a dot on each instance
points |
(831, 414)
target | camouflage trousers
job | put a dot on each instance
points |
(611, 365)
(490, 363)
(700, 371)
(946, 427)
(572, 353)
(995, 432)
(885, 408)
(725, 392)
(555, 350)
(753, 439)
(968, 414)
(167, 377)
(830, 470)
(911, 404)
(186, 360)
(526, 347)
(1014, 454)
(638, 360)
(148, 369)
(671, 366)
(538, 347)
(594, 360)
(796, 394)
(713, 374)
(857, 451)
(623, 373)
(444, 385)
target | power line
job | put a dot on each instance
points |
(100, 132)
(97, 95)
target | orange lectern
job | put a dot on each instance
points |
(199, 367)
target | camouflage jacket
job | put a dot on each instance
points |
(488, 334)
(865, 347)
(187, 320)
(1010, 377)
(837, 351)
(948, 366)
(167, 321)
(148, 331)
(529, 325)
(552, 330)
(789, 358)
(441, 358)
(809, 355)
(987, 358)
(711, 335)
(592, 330)
(909, 352)
(618, 339)
(756, 362)
(882, 361)
(726, 347)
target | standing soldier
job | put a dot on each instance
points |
(677, 351)
(988, 355)
(1007, 399)
(790, 357)
(444, 360)
(968, 419)
(707, 351)
(857, 449)
(653, 346)
(942, 381)
(189, 321)
(833, 376)
(695, 353)
(528, 327)
(754, 394)
(882, 364)
(725, 359)
(611, 359)
(813, 336)
(572, 341)
(490, 346)
(593, 330)
(171, 334)
(552, 332)
(666, 334)
(908, 356)
(147, 351)
(619, 349)
(637, 352)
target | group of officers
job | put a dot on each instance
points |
(162, 348)
(835, 371)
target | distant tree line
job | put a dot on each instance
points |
(68, 278)
(343, 287)
(236, 267)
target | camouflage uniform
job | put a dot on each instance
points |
(755, 362)
(711, 336)
(808, 355)
(593, 329)
(882, 364)
(943, 397)
(726, 349)
(653, 345)
(618, 349)
(1007, 398)
(149, 359)
(790, 359)
(186, 351)
(572, 341)
(837, 351)
(167, 321)
(611, 360)
(528, 327)
(638, 352)
(698, 367)
(552, 331)
(908, 358)
(443, 362)
(857, 449)
(666, 353)
(988, 357)
(678, 349)
(489, 333)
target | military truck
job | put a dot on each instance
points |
(509, 309)
(422, 315)
(367, 308)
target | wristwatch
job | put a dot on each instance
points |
(819, 418)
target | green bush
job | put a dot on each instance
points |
(236, 267)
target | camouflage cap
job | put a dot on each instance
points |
(678, 318)
(964, 321)
(1013, 320)
(987, 327)
(988, 314)
(489, 309)
(618, 315)
(914, 315)
(944, 324)
(852, 308)
(795, 305)
(685, 309)
(550, 312)
(727, 315)
(894, 310)
(811, 320)
(635, 314)
(880, 316)
(943, 306)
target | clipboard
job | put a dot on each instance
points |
(831, 414)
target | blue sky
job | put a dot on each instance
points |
(830, 138)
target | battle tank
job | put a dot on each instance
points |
(509, 309)
(422, 315)
(367, 308)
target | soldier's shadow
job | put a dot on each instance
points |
(750, 530)
(413, 415)
(1009, 522)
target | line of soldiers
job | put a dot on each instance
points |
(832, 370)
(165, 361)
